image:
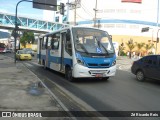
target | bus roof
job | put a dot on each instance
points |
(70, 28)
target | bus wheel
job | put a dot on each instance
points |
(44, 65)
(68, 74)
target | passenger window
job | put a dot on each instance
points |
(55, 41)
(49, 43)
(154, 60)
(44, 42)
(150, 61)
(68, 45)
(145, 60)
(142, 60)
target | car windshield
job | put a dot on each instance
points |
(22, 52)
(90, 40)
(27, 49)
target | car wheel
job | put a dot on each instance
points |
(68, 74)
(140, 75)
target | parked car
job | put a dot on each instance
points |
(8, 50)
(23, 55)
(147, 67)
(29, 51)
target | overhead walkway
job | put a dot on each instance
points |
(7, 21)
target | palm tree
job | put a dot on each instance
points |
(131, 46)
(139, 46)
(121, 50)
(148, 47)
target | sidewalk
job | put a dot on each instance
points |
(124, 63)
(18, 93)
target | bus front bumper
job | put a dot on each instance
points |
(80, 71)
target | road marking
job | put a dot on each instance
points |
(28, 64)
(124, 69)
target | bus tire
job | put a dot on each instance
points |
(68, 74)
(44, 65)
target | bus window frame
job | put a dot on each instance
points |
(54, 40)
(67, 40)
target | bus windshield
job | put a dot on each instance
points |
(2, 45)
(94, 41)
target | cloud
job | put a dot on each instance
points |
(34, 16)
(3, 11)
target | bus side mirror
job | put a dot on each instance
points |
(157, 39)
(110, 37)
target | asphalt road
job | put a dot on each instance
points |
(119, 93)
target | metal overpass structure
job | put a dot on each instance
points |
(7, 21)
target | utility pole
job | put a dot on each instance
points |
(75, 12)
(95, 17)
(157, 40)
(75, 8)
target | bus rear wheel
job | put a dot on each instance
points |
(68, 74)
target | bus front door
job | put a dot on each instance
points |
(63, 38)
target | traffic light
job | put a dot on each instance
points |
(146, 29)
(62, 8)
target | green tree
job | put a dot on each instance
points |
(27, 37)
(148, 47)
(139, 46)
(121, 50)
(130, 46)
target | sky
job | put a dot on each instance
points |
(24, 9)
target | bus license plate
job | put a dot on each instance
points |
(99, 75)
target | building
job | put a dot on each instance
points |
(123, 19)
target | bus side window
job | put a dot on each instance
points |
(44, 46)
(49, 42)
(55, 41)
(68, 45)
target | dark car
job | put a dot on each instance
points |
(147, 67)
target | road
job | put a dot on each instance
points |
(119, 93)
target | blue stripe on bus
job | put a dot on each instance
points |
(56, 60)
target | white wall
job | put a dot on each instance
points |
(123, 12)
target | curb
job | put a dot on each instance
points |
(52, 94)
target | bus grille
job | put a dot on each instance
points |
(95, 65)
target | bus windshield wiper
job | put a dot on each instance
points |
(101, 45)
(104, 48)
(84, 48)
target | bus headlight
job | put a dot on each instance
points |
(114, 63)
(80, 62)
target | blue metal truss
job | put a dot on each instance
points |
(29, 23)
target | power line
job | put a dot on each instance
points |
(83, 18)
(83, 6)
(87, 11)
